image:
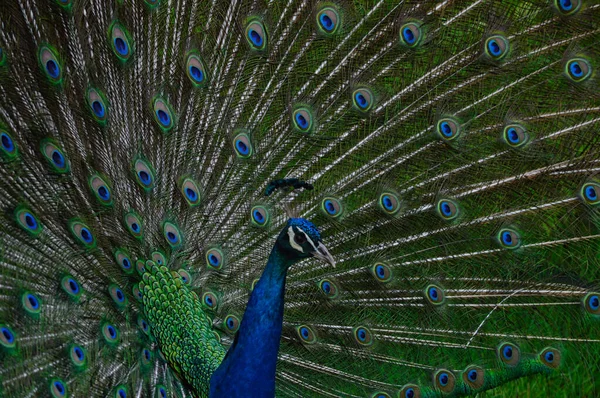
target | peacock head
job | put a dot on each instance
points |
(301, 239)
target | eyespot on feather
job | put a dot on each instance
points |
(55, 156)
(363, 336)
(474, 377)
(306, 334)
(120, 41)
(144, 174)
(195, 69)
(8, 147)
(444, 380)
(509, 354)
(27, 220)
(82, 233)
(328, 20)
(411, 34)
(410, 391)
(214, 258)
(50, 64)
(163, 114)
(256, 35)
(331, 206)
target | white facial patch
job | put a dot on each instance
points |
(296, 246)
(311, 242)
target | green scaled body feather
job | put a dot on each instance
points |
(151, 151)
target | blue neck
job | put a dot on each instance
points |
(248, 369)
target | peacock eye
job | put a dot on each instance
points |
(578, 69)
(567, 7)
(444, 380)
(411, 34)
(299, 238)
(410, 391)
(474, 377)
(58, 388)
(509, 354)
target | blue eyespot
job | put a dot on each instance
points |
(306, 334)
(243, 145)
(472, 375)
(190, 192)
(86, 235)
(567, 7)
(447, 209)
(163, 114)
(411, 34)
(121, 46)
(196, 73)
(509, 354)
(496, 47)
(408, 35)
(409, 391)
(117, 295)
(77, 356)
(214, 258)
(328, 20)
(7, 337)
(185, 276)
(256, 35)
(98, 108)
(302, 119)
(578, 69)
(195, 69)
(331, 206)
(443, 379)
(7, 142)
(57, 388)
(71, 287)
(232, 323)
(52, 68)
(590, 193)
(30, 221)
(209, 299)
(509, 238)
(435, 294)
(550, 357)
(328, 288)
(381, 272)
(363, 336)
(31, 303)
(363, 99)
(163, 117)
(162, 392)
(592, 303)
(172, 234)
(121, 392)
(515, 135)
(110, 333)
(120, 41)
(260, 216)
(55, 156)
(48, 59)
(144, 174)
(78, 353)
(448, 129)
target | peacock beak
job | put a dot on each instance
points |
(323, 254)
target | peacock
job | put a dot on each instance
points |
(299, 198)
